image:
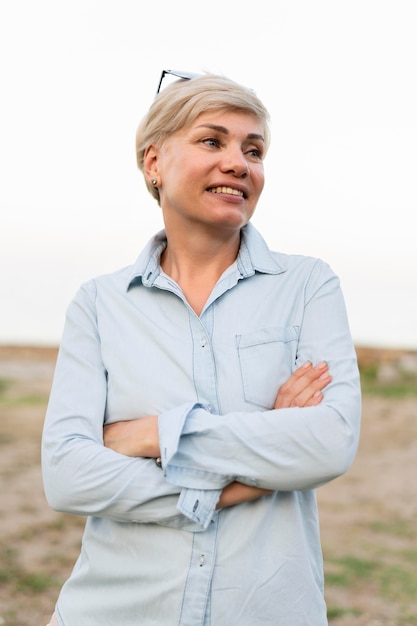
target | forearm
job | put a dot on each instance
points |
(288, 449)
(84, 478)
(134, 438)
(236, 493)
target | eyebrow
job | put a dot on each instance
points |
(224, 130)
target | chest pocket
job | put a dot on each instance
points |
(266, 360)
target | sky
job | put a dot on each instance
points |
(338, 78)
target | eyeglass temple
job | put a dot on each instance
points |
(178, 74)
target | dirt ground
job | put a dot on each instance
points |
(368, 517)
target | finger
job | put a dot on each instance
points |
(293, 386)
(300, 371)
(302, 383)
(312, 395)
(305, 375)
(315, 399)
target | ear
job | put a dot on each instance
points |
(150, 161)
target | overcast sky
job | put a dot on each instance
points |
(338, 77)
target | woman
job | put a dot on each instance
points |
(207, 362)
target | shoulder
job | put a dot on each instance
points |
(108, 283)
(264, 258)
(300, 262)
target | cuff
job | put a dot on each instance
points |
(170, 426)
(199, 505)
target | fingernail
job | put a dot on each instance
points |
(306, 365)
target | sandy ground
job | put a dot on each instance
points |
(368, 517)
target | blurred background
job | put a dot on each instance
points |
(339, 80)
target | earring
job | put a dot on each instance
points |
(154, 181)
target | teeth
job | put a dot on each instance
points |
(234, 192)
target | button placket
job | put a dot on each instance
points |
(204, 367)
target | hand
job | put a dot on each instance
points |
(138, 437)
(304, 387)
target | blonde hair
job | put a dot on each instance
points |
(179, 105)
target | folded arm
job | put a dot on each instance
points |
(140, 438)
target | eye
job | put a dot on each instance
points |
(256, 153)
(212, 142)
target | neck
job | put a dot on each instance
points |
(186, 255)
(197, 260)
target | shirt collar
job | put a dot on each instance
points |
(254, 256)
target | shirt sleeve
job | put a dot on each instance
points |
(80, 475)
(284, 449)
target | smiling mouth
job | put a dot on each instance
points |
(229, 190)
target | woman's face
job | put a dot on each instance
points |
(211, 173)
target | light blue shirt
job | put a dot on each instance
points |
(155, 551)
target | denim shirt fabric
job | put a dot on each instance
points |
(155, 550)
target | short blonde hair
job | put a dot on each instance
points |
(179, 105)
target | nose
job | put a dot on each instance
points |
(234, 162)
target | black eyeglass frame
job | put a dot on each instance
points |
(178, 74)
